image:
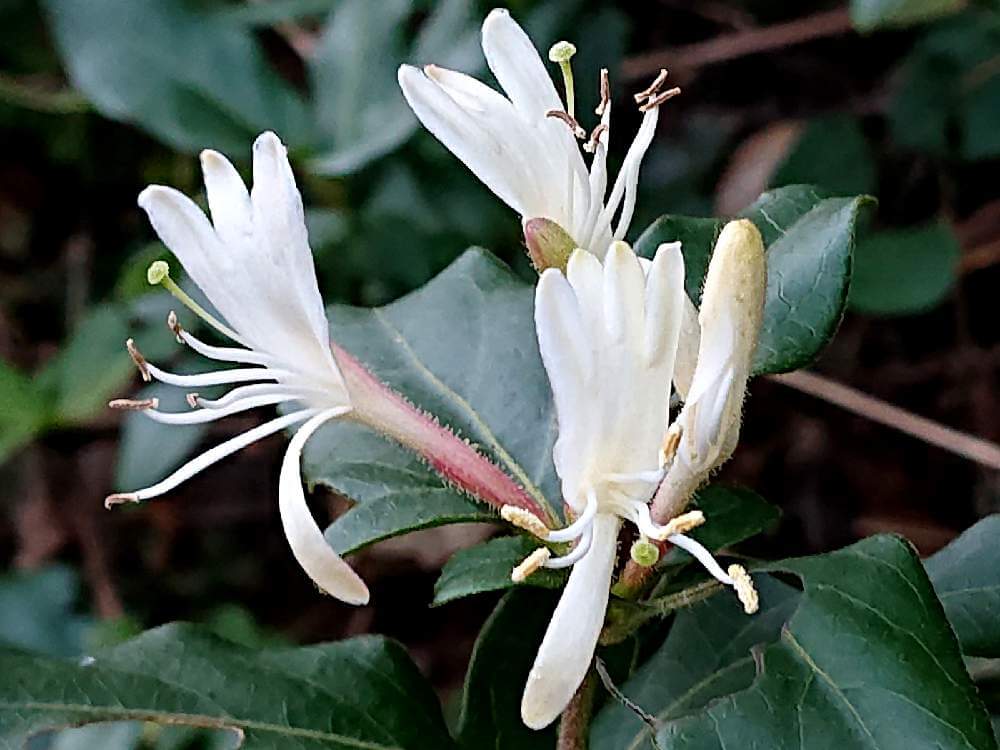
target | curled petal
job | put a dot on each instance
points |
(568, 646)
(317, 558)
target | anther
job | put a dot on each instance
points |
(526, 520)
(129, 404)
(118, 499)
(567, 118)
(530, 564)
(652, 88)
(192, 399)
(174, 325)
(743, 584)
(591, 145)
(685, 522)
(139, 360)
(656, 101)
(605, 94)
(671, 442)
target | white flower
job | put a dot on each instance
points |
(608, 337)
(715, 360)
(254, 264)
(524, 146)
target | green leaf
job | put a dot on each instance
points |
(979, 113)
(360, 693)
(185, 75)
(359, 107)
(810, 243)
(462, 348)
(501, 660)
(487, 567)
(705, 656)
(874, 14)
(37, 612)
(964, 575)
(833, 154)
(904, 271)
(866, 661)
(25, 410)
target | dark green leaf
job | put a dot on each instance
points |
(501, 660)
(979, 114)
(866, 661)
(360, 693)
(25, 409)
(833, 154)
(965, 577)
(810, 243)
(463, 348)
(904, 271)
(873, 14)
(706, 655)
(487, 567)
(37, 612)
(187, 76)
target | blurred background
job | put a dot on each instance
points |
(99, 98)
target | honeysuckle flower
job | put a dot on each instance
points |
(608, 336)
(713, 383)
(525, 146)
(254, 264)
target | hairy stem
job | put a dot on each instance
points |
(574, 726)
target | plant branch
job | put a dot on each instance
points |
(960, 443)
(739, 44)
(574, 726)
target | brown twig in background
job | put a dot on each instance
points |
(960, 443)
(738, 44)
(298, 38)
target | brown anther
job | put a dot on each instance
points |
(567, 118)
(652, 88)
(671, 443)
(175, 326)
(605, 94)
(139, 360)
(591, 145)
(656, 101)
(118, 499)
(138, 404)
(192, 399)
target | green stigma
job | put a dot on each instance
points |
(158, 274)
(562, 53)
(645, 553)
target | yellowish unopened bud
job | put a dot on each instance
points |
(549, 245)
(530, 564)
(158, 271)
(743, 584)
(645, 553)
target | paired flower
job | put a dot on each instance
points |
(608, 335)
(254, 264)
(525, 146)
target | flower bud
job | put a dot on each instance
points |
(549, 245)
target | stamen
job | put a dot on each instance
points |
(192, 399)
(128, 404)
(567, 118)
(582, 548)
(671, 443)
(745, 589)
(581, 525)
(526, 520)
(530, 564)
(219, 353)
(175, 326)
(139, 360)
(158, 274)
(591, 145)
(652, 88)
(217, 377)
(605, 94)
(256, 389)
(562, 53)
(120, 498)
(201, 416)
(656, 101)
(685, 522)
(702, 555)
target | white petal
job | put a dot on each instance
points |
(586, 275)
(687, 348)
(518, 67)
(664, 305)
(624, 292)
(569, 643)
(228, 200)
(562, 337)
(317, 558)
